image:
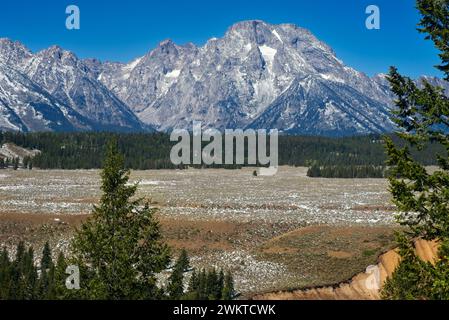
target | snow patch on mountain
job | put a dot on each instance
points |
(173, 74)
(268, 53)
(276, 34)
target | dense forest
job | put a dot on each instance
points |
(21, 278)
(152, 150)
(346, 172)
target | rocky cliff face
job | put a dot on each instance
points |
(258, 75)
(25, 106)
(54, 90)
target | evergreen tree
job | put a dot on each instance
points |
(176, 283)
(176, 279)
(412, 279)
(422, 197)
(20, 280)
(5, 275)
(228, 289)
(202, 285)
(422, 113)
(210, 285)
(193, 286)
(59, 289)
(16, 284)
(220, 285)
(46, 280)
(46, 260)
(183, 261)
(30, 276)
(119, 250)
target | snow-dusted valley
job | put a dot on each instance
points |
(257, 75)
(285, 231)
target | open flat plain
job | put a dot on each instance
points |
(282, 232)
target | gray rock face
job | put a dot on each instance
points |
(25, 106)
(315, 106)
(258, 75)
(54, 90)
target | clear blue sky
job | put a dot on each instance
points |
(123, 30)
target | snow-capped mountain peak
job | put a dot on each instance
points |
(56, 87)
(257, 75)
(234, 80)
(13, 52)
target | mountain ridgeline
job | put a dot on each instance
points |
(258, 75)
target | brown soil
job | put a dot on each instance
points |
(363, 286)
(339, 254)
(193, 235)
(316, 255)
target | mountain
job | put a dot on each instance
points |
(315, 106)
(54, 90)
(25, 106)
(258, 75)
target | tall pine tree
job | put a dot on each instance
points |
(422, 197)
(119, 249)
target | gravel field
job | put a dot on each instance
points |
(289, 196)
(236, 215)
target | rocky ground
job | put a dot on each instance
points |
(281, 232)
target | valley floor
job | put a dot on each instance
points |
(282, 232)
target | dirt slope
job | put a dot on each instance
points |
(364, 286)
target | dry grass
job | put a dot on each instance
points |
(286, 231)
(325, 255)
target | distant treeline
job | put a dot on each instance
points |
(152, 150)
(86, 150)
(346, 172)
